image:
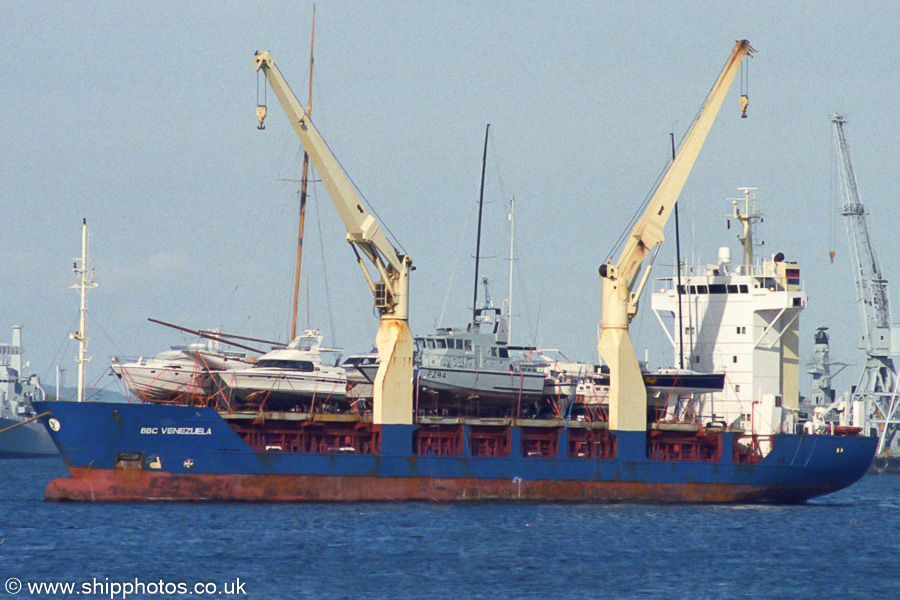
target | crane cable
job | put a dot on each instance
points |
(745, 87)
(260, 107)
(834, 194)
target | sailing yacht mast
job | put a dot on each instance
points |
(487, 131)
(303, 184)
(512, 225)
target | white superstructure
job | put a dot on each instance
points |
(742, 320)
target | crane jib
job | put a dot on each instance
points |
(627, 396)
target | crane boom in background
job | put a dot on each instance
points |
(878, 384)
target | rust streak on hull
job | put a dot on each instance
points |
(99, 485)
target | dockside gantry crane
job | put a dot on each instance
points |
(393, 389)
(877, 386)
(627, 393)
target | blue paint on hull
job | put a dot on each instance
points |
(190, 442)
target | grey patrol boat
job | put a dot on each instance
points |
(471, 371)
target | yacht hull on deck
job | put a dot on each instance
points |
(160, 383)
(244, 384)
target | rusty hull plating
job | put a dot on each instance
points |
(96, 485)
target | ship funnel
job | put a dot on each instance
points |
(724, 255)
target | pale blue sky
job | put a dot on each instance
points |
(139, 116)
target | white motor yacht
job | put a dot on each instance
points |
(292, 377)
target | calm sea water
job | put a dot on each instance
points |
(846, 545)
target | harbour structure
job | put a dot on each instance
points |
(741, 320)
(873, 403)
(879, 338)
(144, 452)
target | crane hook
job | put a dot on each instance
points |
(745, 86)
(260, 106)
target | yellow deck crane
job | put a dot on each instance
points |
(393, 391)
(622, 281)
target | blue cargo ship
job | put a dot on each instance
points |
(144, 452)
(629, 449)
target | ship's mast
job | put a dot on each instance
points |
(86, 282)
(747, 218)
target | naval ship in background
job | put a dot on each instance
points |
(20, 438)
(632, 451)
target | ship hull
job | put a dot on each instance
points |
(107, 485)
(508, 385)
(130, 452)
(25, 441)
